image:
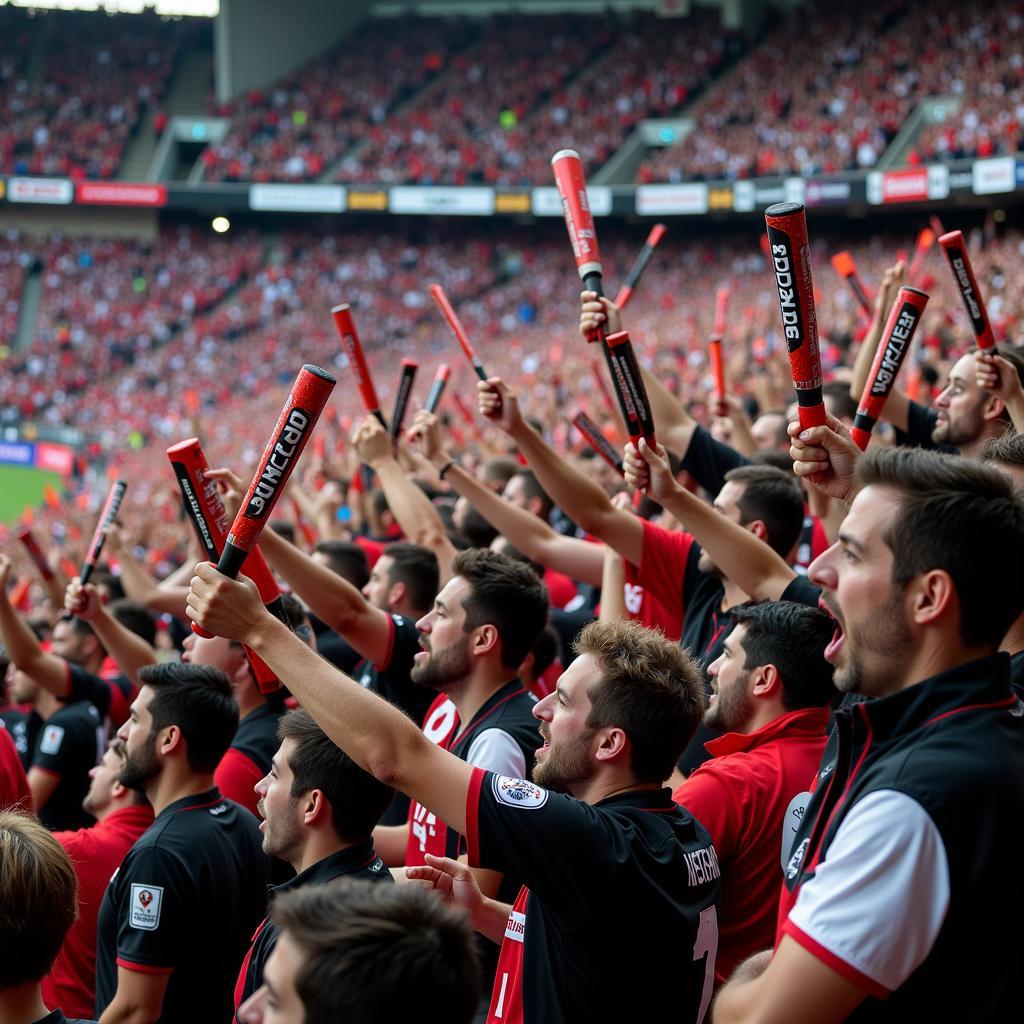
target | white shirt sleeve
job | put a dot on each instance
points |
(496, 751)
(878, 900)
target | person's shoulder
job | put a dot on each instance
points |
(80, 713)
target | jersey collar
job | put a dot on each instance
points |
(811, 722)
(208, 798)
(645, 799)
(334, 865)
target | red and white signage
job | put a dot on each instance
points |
(55, 457)
(121, 193)
(910, 185)
(52, 191)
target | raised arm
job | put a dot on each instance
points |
(22, 646)
(331, 598)
(139, 585)
(745, 559)
(410, 506)
(129, 650)
(675, 424)
(528, 532)
(583, 500)
(897, 405)
(377, 736)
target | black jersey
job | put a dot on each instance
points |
(619, 910)
(67, 745)
(708, 460)
(910, 839)
(360, 861)
(185, 903)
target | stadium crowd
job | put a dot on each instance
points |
(716, 635)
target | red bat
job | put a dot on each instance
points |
(791, 263)
(590, 430)
(845, 266)
(639, 265)
(715, 358)
(925, 240)
(405, 382)
(35, 552)
(629, 386)
(904, 318)
(346, 328)
(444, 371)
(622, 364)
(721, 304)
(955, 248)
(301, 410)
(206, 511)
(438, 295)
(110, 509)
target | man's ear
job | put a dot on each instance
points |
(766, 682)
(933, 596)
(614, 744)
(758, 529)
(395, 593)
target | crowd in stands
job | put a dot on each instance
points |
(97, 79)
(296, 129)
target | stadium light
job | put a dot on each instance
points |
(220, 225)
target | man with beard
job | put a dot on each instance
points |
(692, 593)
(913, 830)
(318, 810)
(772, 687)
(621, 885)
(177, 917)
(965, 416)
(122, 815)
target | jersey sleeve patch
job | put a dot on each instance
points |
(52, 738)
(518, 793)
(146, 902)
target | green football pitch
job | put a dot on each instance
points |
(21, 486)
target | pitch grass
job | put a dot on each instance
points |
(21, 486)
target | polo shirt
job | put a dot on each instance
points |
(618, 916)
(248, 758)
(359, 861)
(902, 876)
(185, 903)
(753, 788)
(96, 853)
(67, 745)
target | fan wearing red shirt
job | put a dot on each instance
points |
(772, 687)
(14, 790)
(122, 815)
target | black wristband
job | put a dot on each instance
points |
(444, 469)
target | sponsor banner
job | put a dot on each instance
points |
(3, 189)
(367, 200)
(794, 189)
(17, 453)
(120, 193)
(463, 202)
(961, 181)
(821, 192)
(53, 191)
(512, 202)
(298, 198)
(545, 202)
(55, 457)
(654, 200)
(910, 185)
(743, 197)
(720, 198)
(989, 177)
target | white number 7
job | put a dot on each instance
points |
(706, 946)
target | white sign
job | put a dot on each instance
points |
(55, 191)
(467, 202)
(991, 176)
(298, 198)
(652, 200)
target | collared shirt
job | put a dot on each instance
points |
(750, 796)
(359, 861)
(184, 903)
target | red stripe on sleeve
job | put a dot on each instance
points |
(476, 782)
(840, 966)
(143, 968)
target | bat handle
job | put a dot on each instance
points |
(479, 370)
(230, 564)
(811, 416)
(860, 437)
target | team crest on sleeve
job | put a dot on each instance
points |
(144, 912)
(53, 737)
(519, 793)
